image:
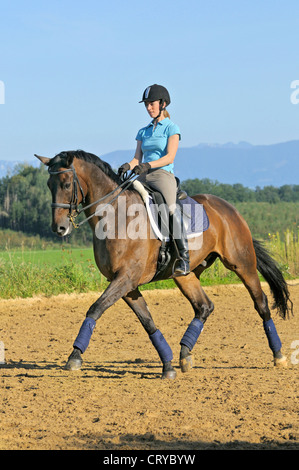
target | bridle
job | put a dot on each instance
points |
(73, 205)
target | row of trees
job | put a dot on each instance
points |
(25, 203)
(239, 193)
(25, 200)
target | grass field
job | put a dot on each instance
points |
(51, 257)
(27, 272)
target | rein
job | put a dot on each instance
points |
(73, 205)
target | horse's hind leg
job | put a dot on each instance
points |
(253, 285)
(248, 274)
(203, 307)
(137, 303)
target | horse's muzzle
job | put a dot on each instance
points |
(62, 229)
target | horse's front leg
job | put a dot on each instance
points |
(136, 301)
(119, 287)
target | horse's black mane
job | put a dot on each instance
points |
(90, 158)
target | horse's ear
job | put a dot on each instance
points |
(44, 160)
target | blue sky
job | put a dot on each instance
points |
(74, 72)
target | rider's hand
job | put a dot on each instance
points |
(123, 169)
(141, 168)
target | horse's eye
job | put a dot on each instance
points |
(67, 185)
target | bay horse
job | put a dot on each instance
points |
(78, 177)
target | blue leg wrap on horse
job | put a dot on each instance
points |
(192, 333)
(273, 338)
(161, 346)
(84, 335)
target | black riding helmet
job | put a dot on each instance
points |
(155, 93)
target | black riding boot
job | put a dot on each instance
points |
(181, 266)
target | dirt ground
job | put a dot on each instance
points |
(232, 399)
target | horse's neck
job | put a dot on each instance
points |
(98, 186)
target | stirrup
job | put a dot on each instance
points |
(182, 272)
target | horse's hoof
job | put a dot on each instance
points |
(187, 363)
(168, 371)
(281, 362)
(169, 374)
(73, 364)
(74, 361)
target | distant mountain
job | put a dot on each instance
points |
(250, 165)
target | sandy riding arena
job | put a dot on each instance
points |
(232, 399)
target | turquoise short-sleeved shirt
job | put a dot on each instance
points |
(154, 141)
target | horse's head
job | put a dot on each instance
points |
(66, 190)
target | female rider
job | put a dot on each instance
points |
(157, 145)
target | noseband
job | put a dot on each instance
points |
(73, 205)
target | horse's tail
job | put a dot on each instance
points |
(272, 274)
